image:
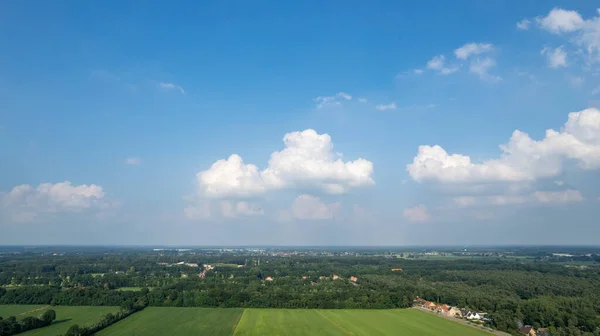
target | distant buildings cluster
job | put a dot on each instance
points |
(450, 311)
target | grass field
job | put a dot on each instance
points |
(66, 316)
(402, 322)
(15, 310)
(159, 321)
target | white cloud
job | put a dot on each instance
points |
(471, 49)
(25, 202)
(556, 57)
(132, 161)
(242, 208)
(523, 24)
(312, 208)
(437, 63)
(362, 100)
(559, 183)
(383, 107)
(326, 101)
(307, 161)
(465, 201)
(582, 33)
(481, 67)
(417, 213)
(540, 197)
(564, 196)
(561, 21)
(418, 71)
(523, 158)
(171, 86)
(507, 199)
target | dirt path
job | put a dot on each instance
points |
(33, 311)
(490, 330)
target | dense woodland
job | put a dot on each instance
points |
(542, 293)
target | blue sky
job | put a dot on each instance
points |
(112, 115)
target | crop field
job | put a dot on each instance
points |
(403, 322)
(66, 316)
(172, 321)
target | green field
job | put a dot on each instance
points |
(159, 321)
(402, 322)
(15, 310)
(176, 322)
(66, 316)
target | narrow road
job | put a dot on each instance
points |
(465, 322)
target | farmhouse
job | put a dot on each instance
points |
(396, 269)
(335, 277)
(473, 316)
(353, 278)
(269, 278)
(527, 330)
(454, 312)
(305, 277)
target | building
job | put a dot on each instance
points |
(305, 277)
(474, 316)
(335, 277)
(527, 330)
(322, 277)
(353, 279)
(454, 312)
(269, 278)
(396, 269)
(543, 332)
(191, 265)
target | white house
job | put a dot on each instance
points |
(473, 316)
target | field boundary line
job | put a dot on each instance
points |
(348, 332)
(238, 321)
(34, 310)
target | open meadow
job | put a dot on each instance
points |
(16, 310)
(159, 321)
(66, 316)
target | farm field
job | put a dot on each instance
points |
(15, 310)
(403, 322)
(66, 316)
(161, 321)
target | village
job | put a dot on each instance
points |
(480, 318)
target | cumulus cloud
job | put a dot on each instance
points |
(561, 21)
(417, 213)
(383, 107)
(556, 57)
(481, 68)
(471, 49)
(132, 161)
(583, 33)
(438, 63)
(523, 158)
(25, 202)
(171, 86)
(325, 101)
(418, 71)
(362, 100)
(523, 24)
(307, 161)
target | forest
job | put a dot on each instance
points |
(562, 295)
